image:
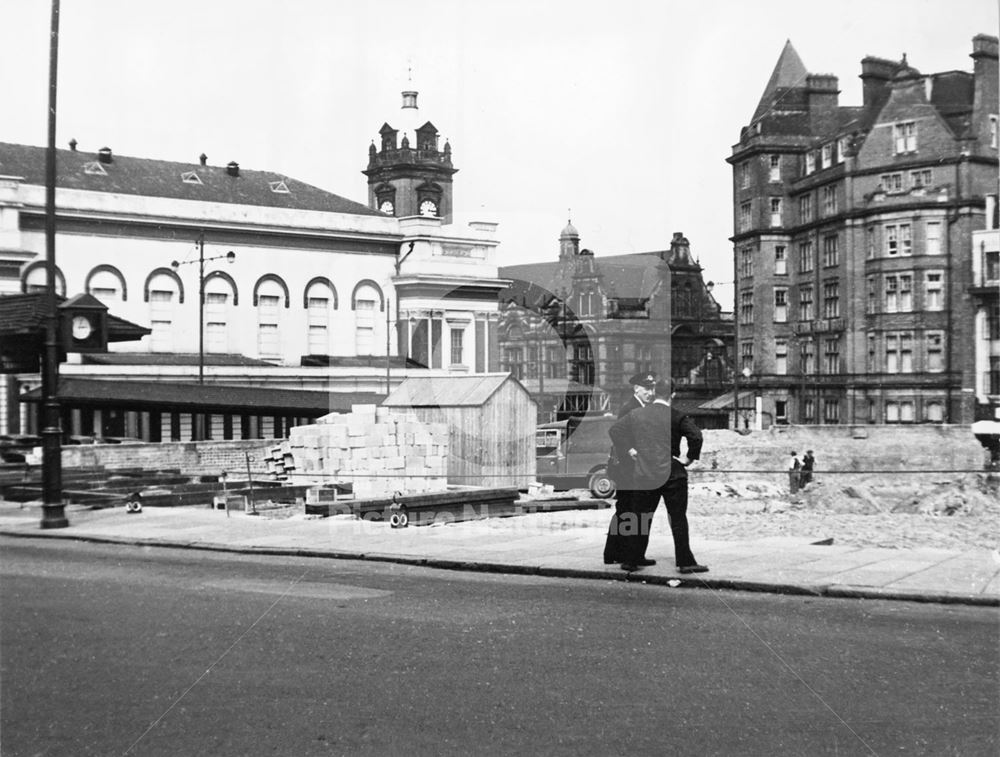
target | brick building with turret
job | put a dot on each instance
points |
(856, 288)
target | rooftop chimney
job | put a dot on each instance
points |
(233, 168)
(72, 144)
(203, 159)
(104, 155)
(875, 76)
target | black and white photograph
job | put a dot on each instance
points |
(348, 351)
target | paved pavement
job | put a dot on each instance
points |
(565, 543)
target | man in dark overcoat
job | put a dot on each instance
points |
(652, 437)
(620, 469)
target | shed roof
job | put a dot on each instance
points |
(447, 391)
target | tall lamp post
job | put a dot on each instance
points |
(53, 510)
(229, 257)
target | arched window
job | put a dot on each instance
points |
(320, 302)
(221, 296)
(106, 283)
(163, 293)
(367, 302)
(33, 279)
(268, 296)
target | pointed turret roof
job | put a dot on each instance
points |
(789, 73)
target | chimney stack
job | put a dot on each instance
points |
(104, 155)
(875, 76)
(203, 159)
(233, 168)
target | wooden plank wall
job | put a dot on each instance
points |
(492, 445)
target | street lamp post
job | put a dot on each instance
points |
(53, 510)
(229, 258)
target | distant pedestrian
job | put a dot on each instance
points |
(808, 461)
(794, 473)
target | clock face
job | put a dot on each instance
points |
(386, 207)
(428, 208)
(82, 328)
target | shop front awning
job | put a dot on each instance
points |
(725, 401)
(161, 396)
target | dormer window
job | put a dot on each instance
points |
(279, 187)
(810, 162)
(904, 137)
(190, 177)
(841, 149)
(94, 169)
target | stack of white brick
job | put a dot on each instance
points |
(380, 450)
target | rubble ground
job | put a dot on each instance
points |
(898, 510)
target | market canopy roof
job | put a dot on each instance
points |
(164, 396)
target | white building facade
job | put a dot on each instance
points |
(302, 288)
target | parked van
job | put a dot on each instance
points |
(573, 454)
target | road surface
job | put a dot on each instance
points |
(118, 650)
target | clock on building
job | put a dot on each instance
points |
(428, 208)
(386, 207)
(84, 321)
(81, 328)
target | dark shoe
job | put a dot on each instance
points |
(610, 560)
(630, 566)
(694, 568)
(645, 561)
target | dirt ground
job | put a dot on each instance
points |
(901, 510)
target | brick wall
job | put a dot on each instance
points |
(200, 458)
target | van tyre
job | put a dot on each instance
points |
(601, 485)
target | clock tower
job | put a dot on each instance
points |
(410, 178)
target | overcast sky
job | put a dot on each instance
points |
(618, 114)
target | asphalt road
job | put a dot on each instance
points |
(111, 650)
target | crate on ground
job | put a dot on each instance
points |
(229, 502)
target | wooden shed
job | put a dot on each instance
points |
(491, 425)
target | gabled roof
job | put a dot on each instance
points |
(163, 178)
(789, 73)
(446, 391)
(631, 276)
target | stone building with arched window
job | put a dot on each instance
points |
(574, 330)
(247, 279)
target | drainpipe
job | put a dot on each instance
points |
(951, 219)
(736, 340)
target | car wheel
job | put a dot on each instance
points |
(601, 486)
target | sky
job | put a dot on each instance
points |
(616, 115)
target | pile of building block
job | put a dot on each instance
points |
(381, 451)
(279, 462)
